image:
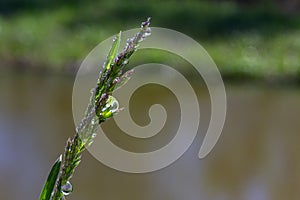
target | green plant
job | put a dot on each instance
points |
(101, 107)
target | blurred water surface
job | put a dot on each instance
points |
(256, 158)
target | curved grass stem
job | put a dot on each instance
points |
(97, 112)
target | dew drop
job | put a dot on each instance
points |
(113, 104)
(111, 107)
(67, 188)
(147, 32)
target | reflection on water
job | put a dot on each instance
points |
(256, 158)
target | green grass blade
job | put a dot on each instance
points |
(113, 51)
(51, 180)
(109, 60)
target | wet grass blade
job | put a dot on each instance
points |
(113, 51)
(109, 60)
(51, 180)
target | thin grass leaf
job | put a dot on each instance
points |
(51, 180)
(107, 65)
(102, 106)
(113, 51)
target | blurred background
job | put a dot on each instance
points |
(255, 44)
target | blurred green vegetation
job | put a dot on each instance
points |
(255, 39)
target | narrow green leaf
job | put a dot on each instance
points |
(113, 51)
(51, 180)
(109, 60)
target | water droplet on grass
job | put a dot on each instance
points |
(67, 188)
(113, 104)
(148, 32)
(111, 107)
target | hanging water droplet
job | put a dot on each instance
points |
(147, 32)
(67, 188)
(94, 135)
(111, 107)
(113, 104)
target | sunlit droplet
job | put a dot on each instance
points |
(67, 188)
(111, 107)
(113, 104)
(148, 32)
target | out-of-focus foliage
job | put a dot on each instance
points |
(252, 38)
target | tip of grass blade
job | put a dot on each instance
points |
(113, 51)
(51, 180)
